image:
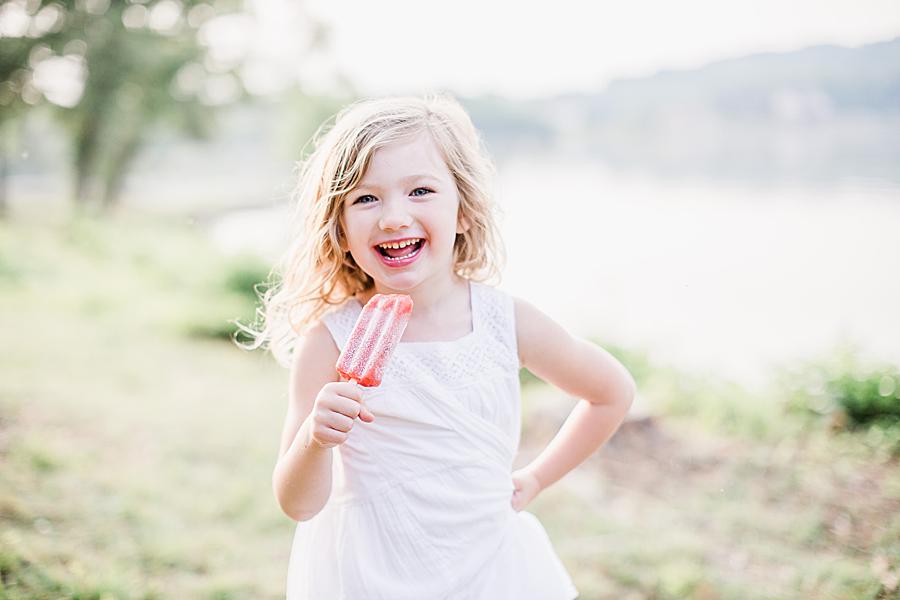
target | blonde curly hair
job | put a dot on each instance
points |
(314, 273)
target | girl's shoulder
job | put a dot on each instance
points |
(340, 319)
(491, 301)
(494, 313)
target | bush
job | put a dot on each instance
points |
(230, 296)
(850, 395)
(868, 397)
(243, 274)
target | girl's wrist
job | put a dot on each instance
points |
(533, 473)
(306, 437)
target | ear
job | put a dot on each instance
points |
(462, 224)
(342, 239)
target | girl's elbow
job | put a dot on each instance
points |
(630, 391)
(619, 394)
(284, 503)
(289, 503)
(293, 512)
(299, 516)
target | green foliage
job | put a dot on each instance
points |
(726, 407)
(9, 271)
(101, 497)
(847, 395)
(136, 75)
(41, 460)
(527, 378)
(23, 579)
(869, 396)
(680, 579)
(244, 275)
(303, 115)
(232, 296)
(717, 403)
(218, 323)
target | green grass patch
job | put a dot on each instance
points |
(137, 446)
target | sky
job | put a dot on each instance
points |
(508, 48)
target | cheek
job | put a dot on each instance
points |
(358, 250)
(353, 230)
(455, 224)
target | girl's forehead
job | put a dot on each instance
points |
(406, 158)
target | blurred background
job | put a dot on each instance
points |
(710, 191)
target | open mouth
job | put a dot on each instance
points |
(400, 251)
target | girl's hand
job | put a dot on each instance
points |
(334, 414)
(527, 487)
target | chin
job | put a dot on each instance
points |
(399, 283)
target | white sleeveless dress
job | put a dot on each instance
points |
(420, 503)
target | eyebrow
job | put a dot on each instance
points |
(402, 180)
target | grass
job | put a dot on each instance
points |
(136, 457)
(136, 449)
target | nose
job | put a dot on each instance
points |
(394, 215)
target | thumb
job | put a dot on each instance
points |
(365, 414)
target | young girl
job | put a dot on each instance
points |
(405, 491)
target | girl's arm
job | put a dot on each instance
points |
(302, 476)
(583, 370)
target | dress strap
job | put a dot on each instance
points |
(341, 320)
(493, 313)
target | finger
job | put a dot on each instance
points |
(360, 409)
(328, 437)
(347, 407)
(349, 390)
(339, 422)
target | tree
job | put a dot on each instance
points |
(131, 64)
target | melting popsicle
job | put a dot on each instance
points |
(374, 337)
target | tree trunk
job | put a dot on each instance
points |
(4, 172)
(87, 143)
(120, 165)
(96, 114)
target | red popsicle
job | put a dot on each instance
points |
(374, 337)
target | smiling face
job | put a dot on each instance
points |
(400, 222)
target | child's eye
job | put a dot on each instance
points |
(368, 198)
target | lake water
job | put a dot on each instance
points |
(710, 276)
